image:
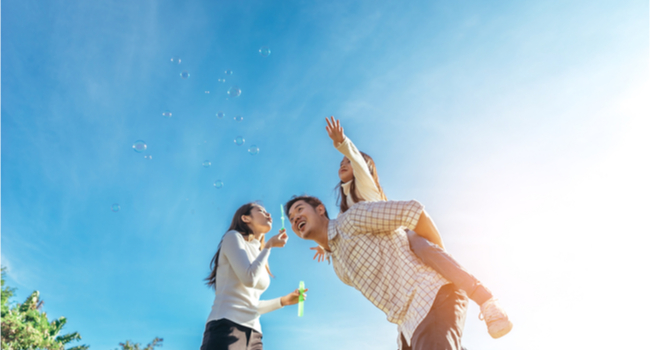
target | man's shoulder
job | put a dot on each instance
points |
(355, 210)
(368, 206)
(363, 205)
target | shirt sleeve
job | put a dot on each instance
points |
(365, 184)
(248, 272)
(383, 217)
(265, 306)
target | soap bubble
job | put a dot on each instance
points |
(185, 74)
(148, 156)
(253, 150)
(239, 118)
(265, 51)
(176, 60)
(221, 80)
(228, 72)
(220, 115)
(207, 92)
(234, 91)
(239, 140)
(139, 146)
(115, 207)
(218, 184)
(206, 163)
(167, 114)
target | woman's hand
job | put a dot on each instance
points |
(293, 297)
(320, 253)
(335, 131)
(278, 241)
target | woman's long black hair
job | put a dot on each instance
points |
(240, 226)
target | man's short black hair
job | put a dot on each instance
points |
(313, 201)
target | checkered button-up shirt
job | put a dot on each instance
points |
(370, 252)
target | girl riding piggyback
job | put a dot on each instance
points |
(360, 182)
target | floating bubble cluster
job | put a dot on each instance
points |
(265, 51)
(139, 146)
(234, 91)
(115, 207)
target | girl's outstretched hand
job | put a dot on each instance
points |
(293, 297)
(334, 130)
(320, 253)
(278, 241)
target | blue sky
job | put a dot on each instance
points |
(521, 126)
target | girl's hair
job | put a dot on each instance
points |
(341, 199)
(240, 226)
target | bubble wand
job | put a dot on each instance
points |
(301, 299)
(282, 216)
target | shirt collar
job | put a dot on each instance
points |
(332, 231)
(346, 187)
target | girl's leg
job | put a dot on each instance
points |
(441, 261)
(433, 256)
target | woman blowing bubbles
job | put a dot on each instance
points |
(240, 274)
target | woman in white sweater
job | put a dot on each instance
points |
(240, 274)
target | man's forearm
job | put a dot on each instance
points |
(427, 229)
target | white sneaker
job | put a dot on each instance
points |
(496, 318)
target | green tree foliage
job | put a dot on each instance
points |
(25, 327)
(135, 346)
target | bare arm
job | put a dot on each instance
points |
(428, 230)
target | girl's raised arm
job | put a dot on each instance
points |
(365, 184)
(335, 130)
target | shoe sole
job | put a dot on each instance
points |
(500, 328)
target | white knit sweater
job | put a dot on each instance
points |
(241, 280)
(365, 186)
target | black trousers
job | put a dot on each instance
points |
(443, 326)
(224, 334)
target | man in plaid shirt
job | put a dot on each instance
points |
(370, 252)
